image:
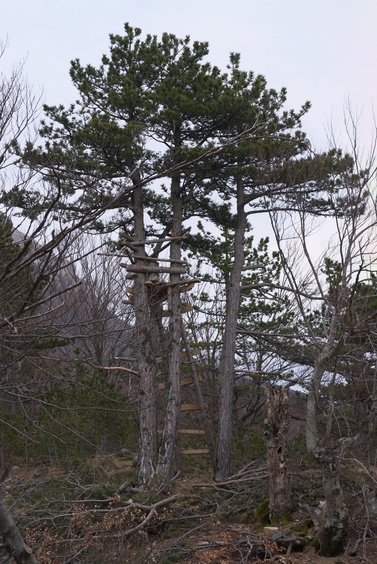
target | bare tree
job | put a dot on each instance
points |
(18, 110)
(94, 316)
(277, 425)
(35, 249)
(324, 286)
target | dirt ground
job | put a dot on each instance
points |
(227, 556)
(204, 538)
(228, 544)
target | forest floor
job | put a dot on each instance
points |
(214, 553)
(94, 513)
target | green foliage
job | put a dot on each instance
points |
(156, 109)
(249, 446)
(211, 127)
(70, 420)
(87, 417)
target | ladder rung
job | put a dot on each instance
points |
(188, 287)
(186, 431)
(189, 380)
(191, 432)
(191, 406)
(195, 451)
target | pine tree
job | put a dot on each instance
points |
(224, 147)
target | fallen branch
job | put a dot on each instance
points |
(152, 510)
(247, 474)
(229, 482)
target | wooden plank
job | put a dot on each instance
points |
(188, 287)
(189, 380)
(270, 531)
(192, 406)
(158, 259)
(134, 268)
(191, 432)
(168, 312)
(186, 308)
(195, 451)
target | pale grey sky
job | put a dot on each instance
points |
(323, 51)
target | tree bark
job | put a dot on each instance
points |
(146, 356)
(277, 425)
(224, 436)
(167, 456)
(332, 532)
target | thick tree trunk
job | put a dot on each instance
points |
(277, 425)
(12, 540)
(167, 456)
(146, 355)
(224, 435)
(332, 531)
(147, 418)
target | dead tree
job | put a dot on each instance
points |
(276, 429)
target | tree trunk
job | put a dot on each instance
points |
(12, 540)
(146, 355)
(277, 424)
(167, 456)
(332, 531)
(224, 436)
(147, 419)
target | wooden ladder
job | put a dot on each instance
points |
(160, 290)
(199, 406)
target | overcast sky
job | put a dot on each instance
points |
(323, 51)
